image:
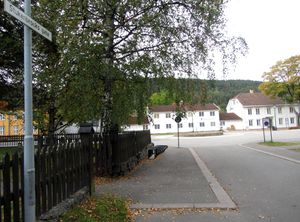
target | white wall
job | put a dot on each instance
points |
(135, 127)
(284, 119)
(232, 125)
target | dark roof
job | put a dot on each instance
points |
(133, 120)
(202, 107)
(257, 98)
(172, 108)
(163, 108)
(229, 116)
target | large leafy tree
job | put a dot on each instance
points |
(112, 48)
(283, 80)
(11, 58)
(105, 52)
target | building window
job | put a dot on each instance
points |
(291, 109)
(202, 124)
(191, 125)
(249, 111)
(222, 123)
(180, 125)
(258, 122)
(257, 111)
(201, 113)
(212, 113)
(250, 122)
(268, 110)
(292, 119)
(280, 121)
(168, 115)
(156, 115)
(168, 126)
(279, 110)
(2, 117)
(156, 126)
(145, 127)
(212, 123)
(2, 130)
(16, 130)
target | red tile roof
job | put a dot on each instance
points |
(257, 98)
(172, 108)
(229, 116)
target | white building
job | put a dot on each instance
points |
(231, 121)
(254, 106)
(198, 118)
(134, 125)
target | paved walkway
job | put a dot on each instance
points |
(178, 178)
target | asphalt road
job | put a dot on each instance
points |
(264, 186)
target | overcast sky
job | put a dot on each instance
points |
(271, 29)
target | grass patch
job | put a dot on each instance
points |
(296, 150)
(106, 208)
(279, 143)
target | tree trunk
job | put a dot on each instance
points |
(106, 117)
(51, 124)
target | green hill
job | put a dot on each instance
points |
(205, 91)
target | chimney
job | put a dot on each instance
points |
(251, 91)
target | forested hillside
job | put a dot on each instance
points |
(221, 91)
(200, 91)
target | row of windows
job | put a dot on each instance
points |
(168, 115)
(15, 128)
(191, 125)
(279, 110)
(280, 121)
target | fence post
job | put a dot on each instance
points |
(86, 132)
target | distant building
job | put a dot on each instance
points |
(197, 118)
(231, 121)
(11, 123)
(254, 106)
(134, 125)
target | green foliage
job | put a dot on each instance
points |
(280, 143)
(200, 91)
(283, 80)
(105, 54)
(161, 98)
(11, 48)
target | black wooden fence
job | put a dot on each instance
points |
(65, 168)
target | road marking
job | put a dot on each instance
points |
(271, 154)
(220, 193)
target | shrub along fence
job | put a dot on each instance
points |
(63, 169)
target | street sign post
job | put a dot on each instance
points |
(29, 169)
(26, 20)
(178, 120)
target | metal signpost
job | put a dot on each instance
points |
(178, 120)
(29, 170)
